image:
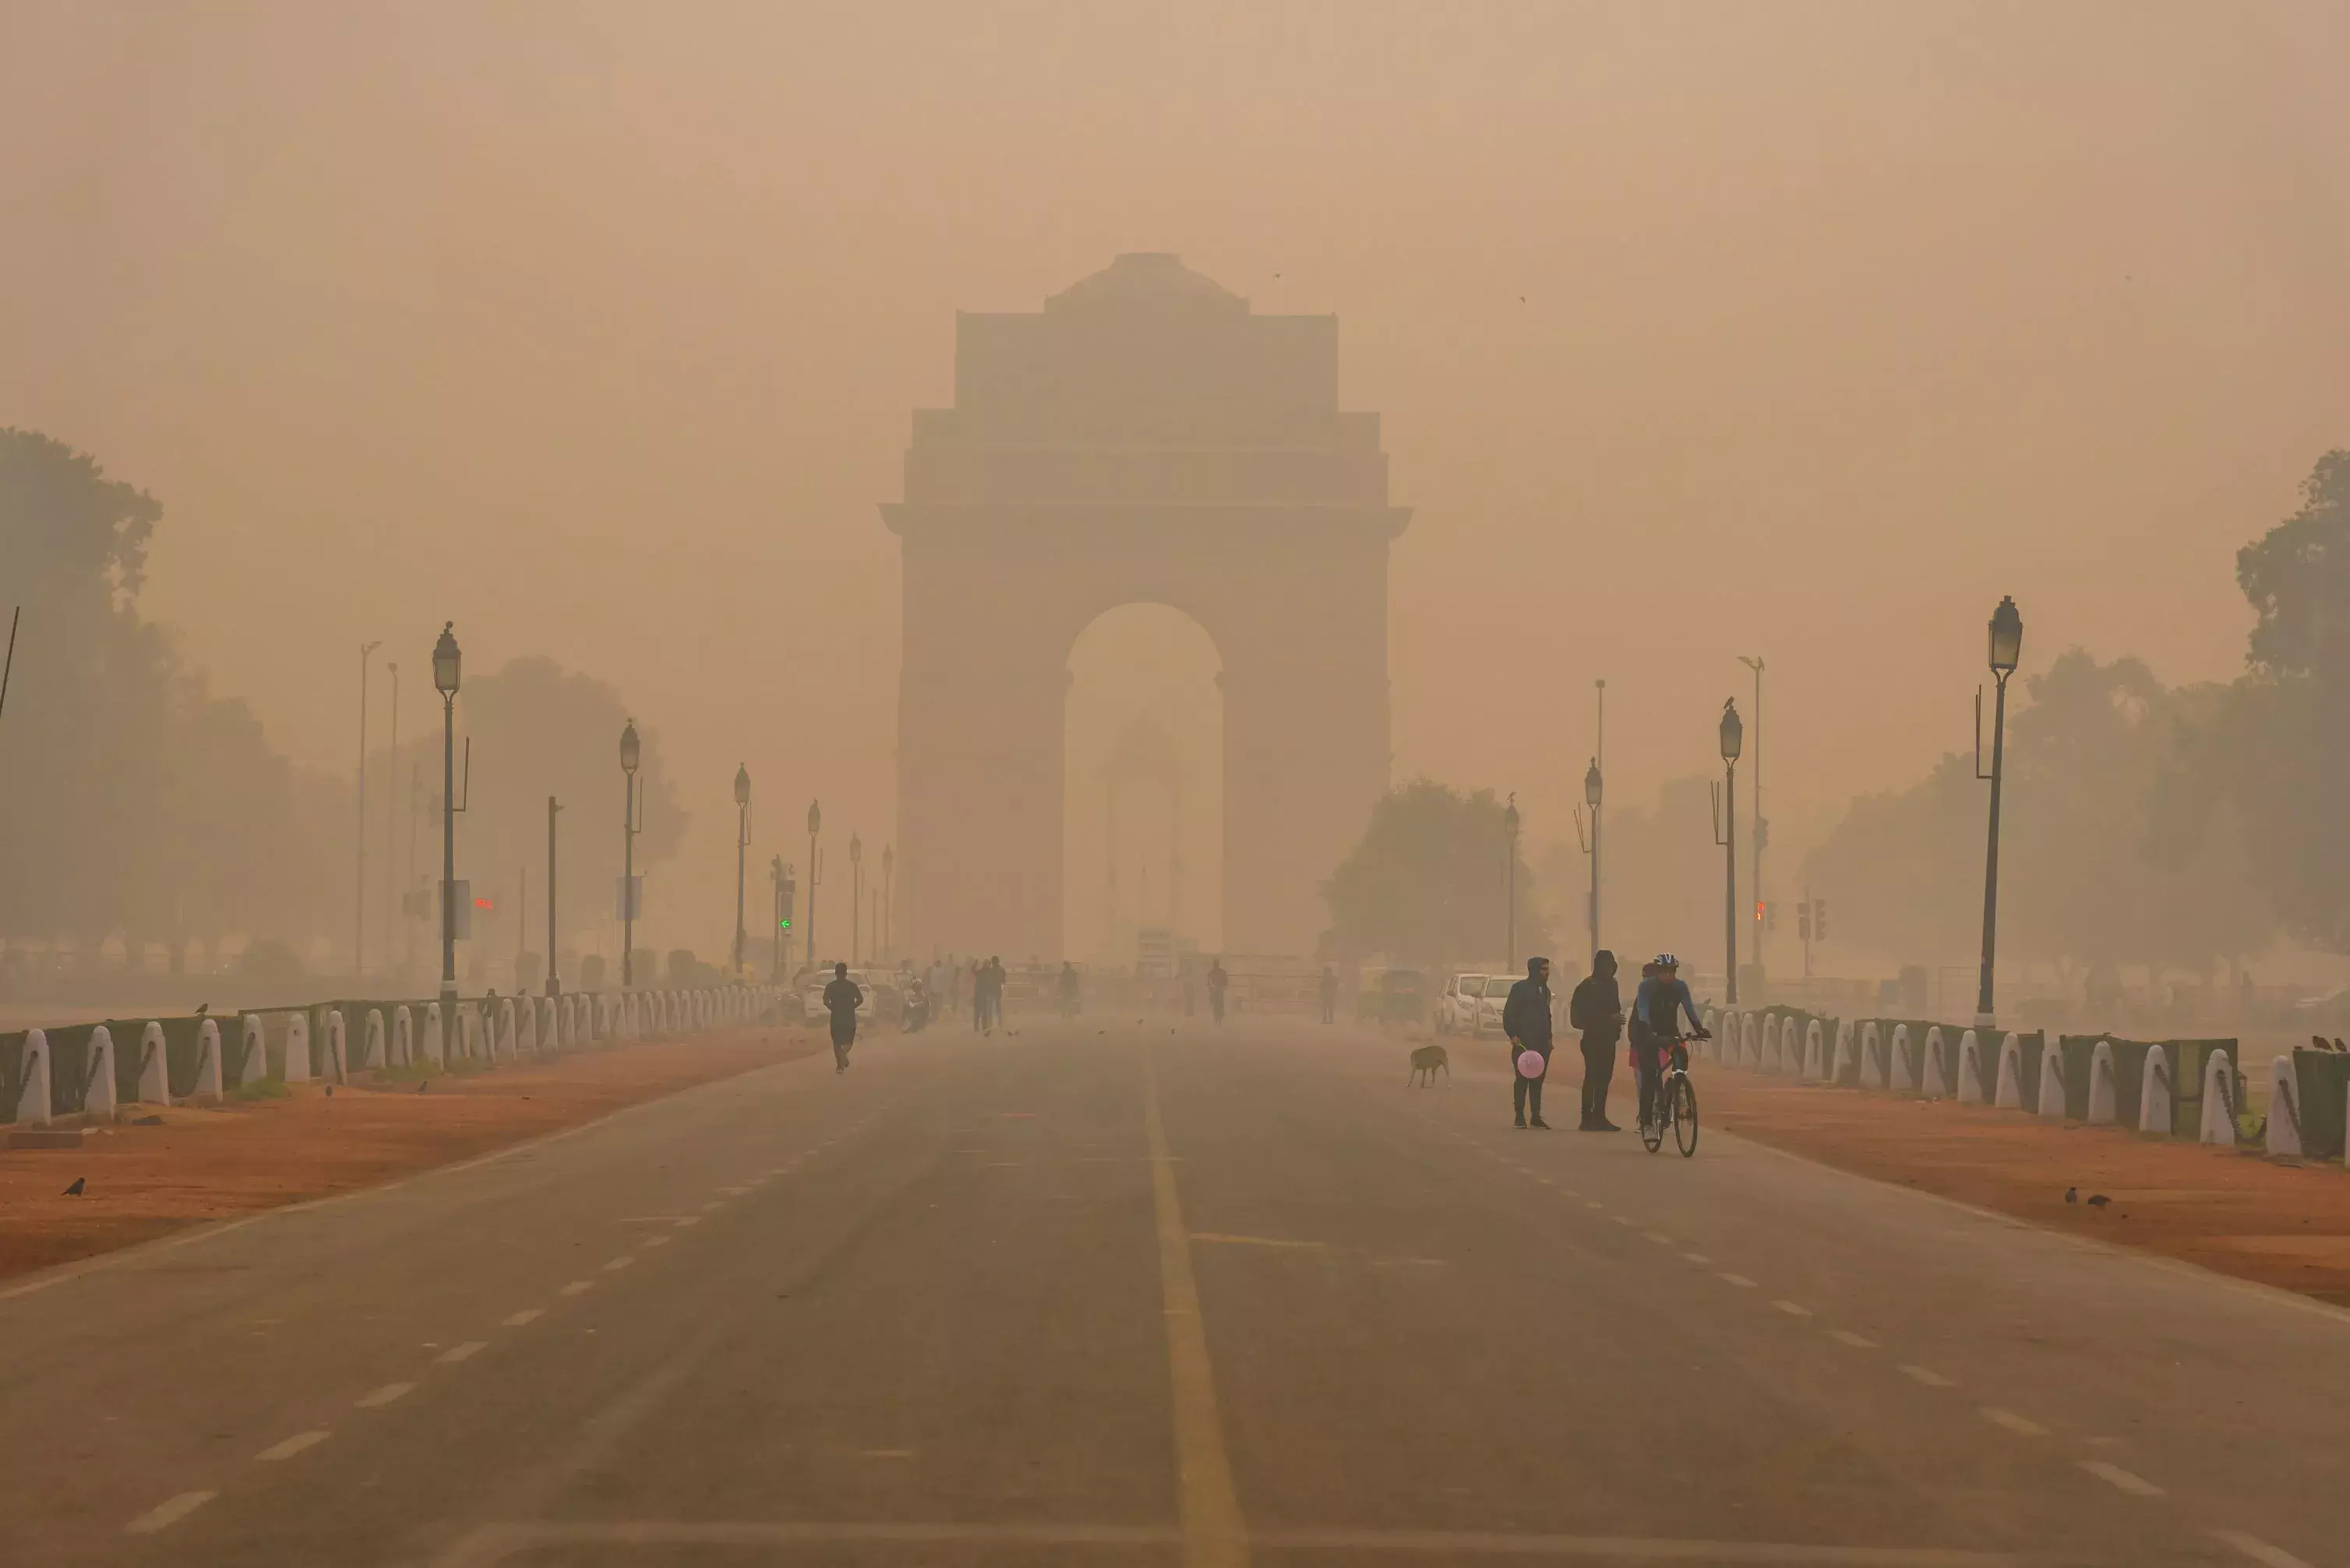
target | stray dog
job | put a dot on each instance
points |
(1426, 1061)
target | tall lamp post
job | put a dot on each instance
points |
(816, 821)
(632, 814)
(2006, 652)
(1592, 789)
(742, 853)
(1761, 831)
(359, 922)
(888, 902)
(447, 665)
(1510, 882)
(391, 823)
(775, 877)
(554, 980)
(856, 892)
(1733, 740)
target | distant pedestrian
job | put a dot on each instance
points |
(1219, 982)
(842, 999)
(1329, 994)
(1526, 1023)
(1596, 1012)
(989, 990)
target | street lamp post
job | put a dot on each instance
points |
(631, 752)
(816, 821)
(856, 893)
(1510, 882)
(1761, 831)
(391, 822)
(554, 980)
(741, 854)
(888, 902)
(1592, 790)
(2006, 652)
(359, 922)
(775, 878)
(447, 667)
(1733, 740)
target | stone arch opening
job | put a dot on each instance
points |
(1142, 785)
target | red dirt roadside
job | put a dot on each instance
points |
(2235, 1213)
(205, 1164)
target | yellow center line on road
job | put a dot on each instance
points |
(1213, 1533)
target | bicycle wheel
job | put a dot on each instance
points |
(1652, 1127)
(1684, 1103)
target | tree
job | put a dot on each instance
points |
(2095, 871)
(1428, 879)
(130, 800)
(2264, 762)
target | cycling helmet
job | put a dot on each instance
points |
(1666, 961)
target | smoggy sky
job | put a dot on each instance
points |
(1697, 330)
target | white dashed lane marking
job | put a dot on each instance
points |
(465, 1352)
(1845, 1336)
(2137, 1485)
(656, 1241)
(1698, 1258)
(376, 1399)
(527, 1315)
(1740, 1281)
(1926, 1376)
(169, 1512)
(1793, 1309)
(688, 1219)
(576, 1287)
(2258, 1550)
(299, 1442)
(622, 1261)
(2021, 1426)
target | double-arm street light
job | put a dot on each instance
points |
(447, 665)
(1510, 882)
(742, 853)
(632, 814)
(856, 893)
(815, 822)
(1761, 829)
(2006, 652)
(1733, 740)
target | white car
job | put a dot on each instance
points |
(1488, 1009)
(1458, 1003)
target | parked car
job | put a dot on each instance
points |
(1489, 1010)
(1458, 1003)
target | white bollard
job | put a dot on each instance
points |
(2219, 1123)
(1750, 1043)
(2284, 1109)
(1936, 1084)
(1899, 1077)
(335, 1060)
(372, 1050)
(404, 1037)
(2051, 1102)
(253, 1051)
(471, 1026)
(154, 1067)
(2104, 1090)
(436, 1050)
(98, 1097)
(1814, 1048)
(298, 1048)
(208, 1064)
(1872, 1056)
(2009, 1094)
(2154, 1108)
(1970, 1072)
(1843, 1050)
(33, 1098)
(505, 1039)
(1767, 1060)
(525, 1027)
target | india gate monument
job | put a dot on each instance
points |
(1145, 437)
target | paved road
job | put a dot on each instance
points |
(1120, 1293)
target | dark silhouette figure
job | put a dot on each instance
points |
(1218, 983)
(1330, 996)
(842, 998)
(1596, 1012)
(1526, 1022)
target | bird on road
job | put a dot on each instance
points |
(202, 1008)
(75, 1190)
(2098, 1200)
(424, 1085)
(2071, 1195)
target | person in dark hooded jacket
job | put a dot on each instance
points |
(1596, 1013)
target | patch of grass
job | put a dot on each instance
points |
(260, 1089)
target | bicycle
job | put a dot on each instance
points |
(1675, 1101)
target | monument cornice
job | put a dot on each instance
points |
(908, 519)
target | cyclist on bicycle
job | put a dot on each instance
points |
(1663, 997)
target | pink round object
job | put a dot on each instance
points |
(1531, 1065)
